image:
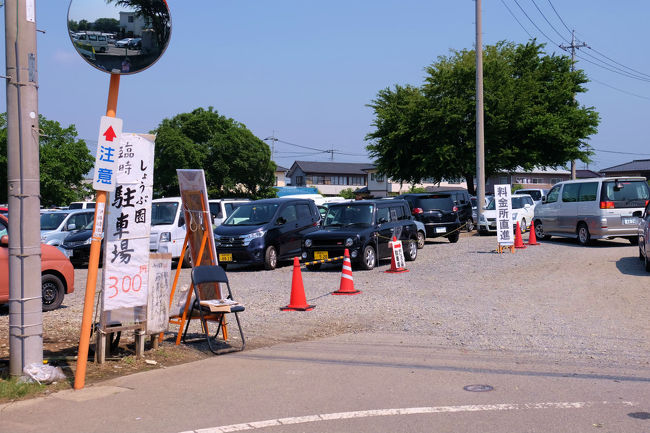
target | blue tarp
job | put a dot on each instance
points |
(291, 190)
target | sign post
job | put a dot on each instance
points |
(154, 38)
(503, 207)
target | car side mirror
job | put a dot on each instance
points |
(280, 221)
(4, 241)
(543, 199)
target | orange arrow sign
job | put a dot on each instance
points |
(109, 134)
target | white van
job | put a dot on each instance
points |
(82, 205)
(221, 208)
(98, 41)
(586, 209)
(168, 228)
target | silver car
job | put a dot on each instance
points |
(644, 237)
(57, 225)
(587, 209)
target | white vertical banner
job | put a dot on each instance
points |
(126, 261)
(503, 207)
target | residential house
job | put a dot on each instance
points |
(329, 177)
(536, 178)
(380, 186)
(280, 175)
(638, 167)
(587, 174)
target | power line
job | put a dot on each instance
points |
(535, 25)
(548, 22)
(620, 153)
(517, 19)
(558, 15)
(620, 90)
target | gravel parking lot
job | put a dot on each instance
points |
(555, 301)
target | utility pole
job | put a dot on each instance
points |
(573, 47)
(25, 297)
(273, 140)
(480, 145)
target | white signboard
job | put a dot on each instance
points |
(503, 207)
(160, 270)
(110, 130)
(398, 254)
(128, 223)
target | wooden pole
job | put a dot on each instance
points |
(93, 261)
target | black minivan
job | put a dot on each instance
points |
(265, 231)
(437, 211)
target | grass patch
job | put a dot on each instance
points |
(12, 389)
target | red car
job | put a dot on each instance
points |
(57, 273)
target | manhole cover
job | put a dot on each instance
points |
(478, 388)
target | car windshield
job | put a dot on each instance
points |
(252, 214)
(440, 202)
(163, 213)
(343, 216)
(50, 221)
(517, 203)
(536, 195)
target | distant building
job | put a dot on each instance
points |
(587, 174)
(329, 177)
(638, 167)
(380, 186)
(281, 176)
(536, 178)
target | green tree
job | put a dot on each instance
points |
(531, 116)
(64, 160)
(236, 163)
(106, 25)
(347, 193)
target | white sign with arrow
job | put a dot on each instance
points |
(110, 131)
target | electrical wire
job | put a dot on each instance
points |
(620, 90)
(620, 153)
(517, 19)
(558, 15)
(535, 25)
(549, 23)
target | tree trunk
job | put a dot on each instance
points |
(471, 188)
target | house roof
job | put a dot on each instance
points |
(636, 165)
(585, 174)
(281, 168)
(310, 167)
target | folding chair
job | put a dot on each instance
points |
(212, 274)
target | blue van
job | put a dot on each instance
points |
(265, 231)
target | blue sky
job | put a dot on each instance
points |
(305, 70)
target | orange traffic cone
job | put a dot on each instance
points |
(519, 242)
(298, 302)
(532, 238)
(347, 284)
(393, 265)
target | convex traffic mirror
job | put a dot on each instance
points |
(119, 36)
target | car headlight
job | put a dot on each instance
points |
(308, 243)
(349, 242)
(166, 237)
(249, 237)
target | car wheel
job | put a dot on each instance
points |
(411, 250)
(421, 239)
(224, 266)
(314, 267)
(469, 225)
(52, 289)
(187, 259)
(270, 258)
(453, 238)
(641, 257)
(584, 237)
(539, 231)
(369, 258)
(482, 232)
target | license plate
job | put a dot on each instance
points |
(630, 220)
(320, 255)
(225, 257)
(441, 229)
